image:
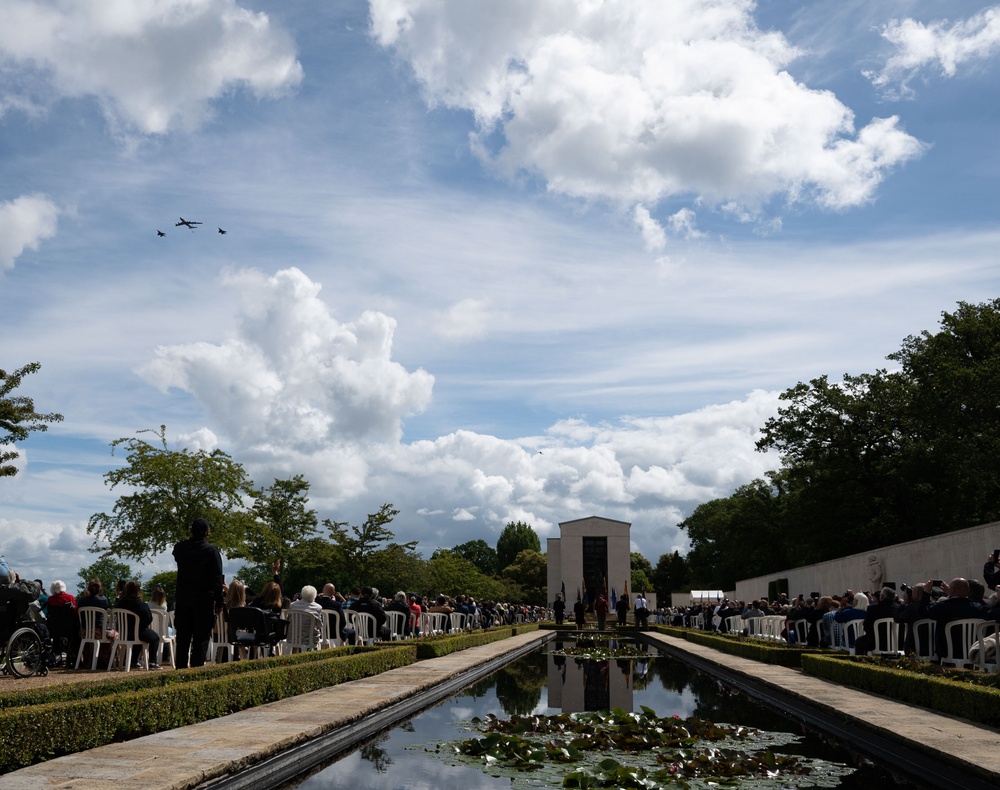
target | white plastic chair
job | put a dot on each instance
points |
(886, 635)
(126, 622)
(734, 624)
(958, 638)
(219, 642)
(161, 624)
(457, 622)
(987, 632)
(304, 632)
(851, 630)
(397, 625)
(91, 633)
(801, 632)
(925, 638)
(331, 635)
(366, 627)
(439, 623)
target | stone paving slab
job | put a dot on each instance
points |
(949, 738)
(189, 756)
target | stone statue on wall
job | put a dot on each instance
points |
(874, 573)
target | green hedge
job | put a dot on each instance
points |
(35, 732)
(437, 646)
(136, 681)
(978, 703)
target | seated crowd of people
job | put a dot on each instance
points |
(59, 609)
(825, 616)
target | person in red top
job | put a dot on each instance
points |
(59, 597)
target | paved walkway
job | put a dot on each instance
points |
(189, 756)
(946, 738)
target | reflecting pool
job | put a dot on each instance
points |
(549, 682)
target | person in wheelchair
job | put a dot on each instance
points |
(63, 621)
(25, 645)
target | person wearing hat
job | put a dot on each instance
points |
(885, 606)
(199, 595)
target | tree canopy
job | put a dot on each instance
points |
(168, 490)
(515, 538)
(873, 459)
(18, 416)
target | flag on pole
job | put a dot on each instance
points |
(604, 586)
(625, 591)
(585, 601)
(564, 590)
(614, 597)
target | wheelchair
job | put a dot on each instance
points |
(25, 646)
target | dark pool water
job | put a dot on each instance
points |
(547, 683)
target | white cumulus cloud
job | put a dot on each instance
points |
(641, 101)
(291, 377)
(653, 235)
(24, 222)
(154, 65)
(940, 44)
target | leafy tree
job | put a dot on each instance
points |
(108, 570)
(448, 573)
(515, 538)
(737, 537)
(480, 554)
(670, 575)
(314, 561)
(530, 571)
(397, 567)
(642, 572)
(283, 520)
(171, 488)
(358, 548)
(165, 579)
(18, 416)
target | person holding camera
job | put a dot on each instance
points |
(991, 570)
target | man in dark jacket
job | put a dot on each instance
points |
(199, 594)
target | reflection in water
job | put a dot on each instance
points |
(406, 759)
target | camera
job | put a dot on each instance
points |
(904, 587)
(996, 556)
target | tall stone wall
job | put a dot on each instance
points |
(946, 556)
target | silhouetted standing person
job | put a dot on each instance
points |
(198, 596)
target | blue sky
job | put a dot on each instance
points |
(460, 234)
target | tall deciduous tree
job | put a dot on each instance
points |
(529, 571)
(168, 489)
(479, 553)
(670, 575)
(18, 416)
(515, 538)
(283, 520)
(358, 548)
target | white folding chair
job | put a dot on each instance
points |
(161, 624)
(125, 623)
(734, 624)
(94, 621)
(801, 631)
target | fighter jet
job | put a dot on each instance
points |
(222, 231)
(160, 233)
(187, 223)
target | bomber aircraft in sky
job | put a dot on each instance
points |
(187, 223)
